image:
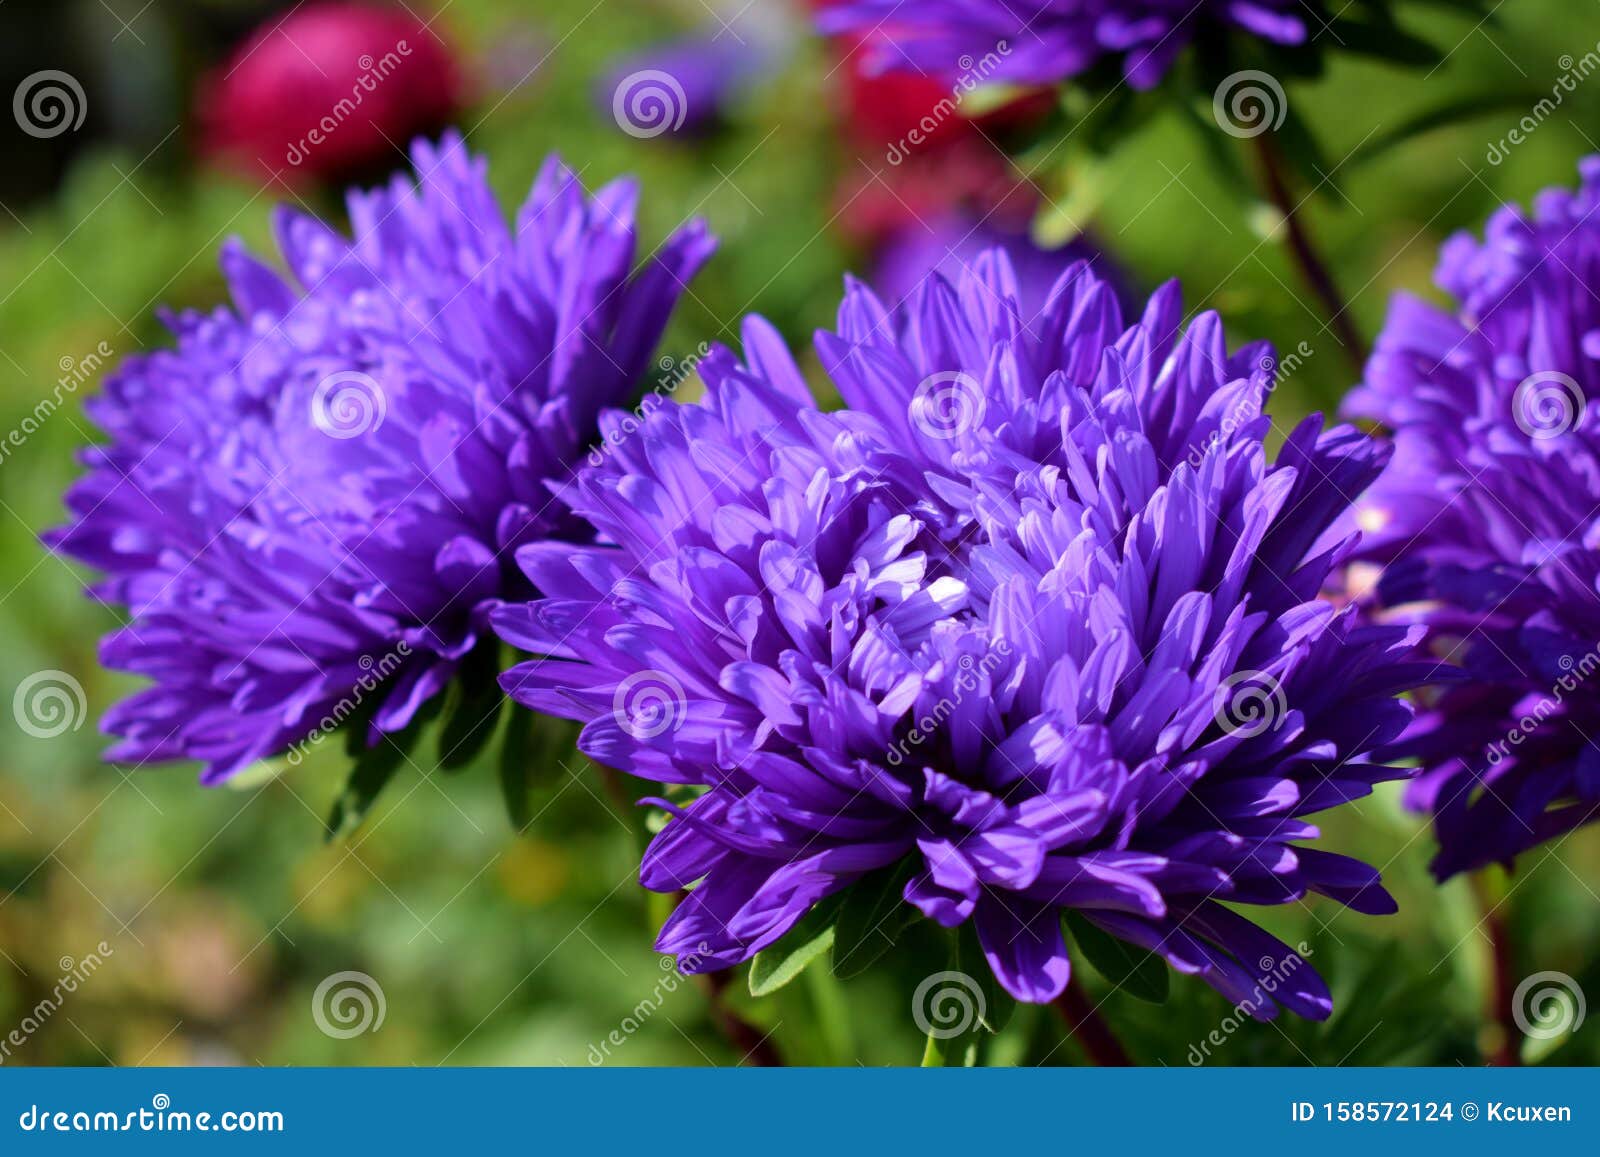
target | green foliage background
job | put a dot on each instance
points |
(224, 908)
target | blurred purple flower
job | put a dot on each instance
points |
(1486, 523)
(683, 87)
(319, 488)
(953, 245)
(1033, 627)
(687, 86)
(1045, 41)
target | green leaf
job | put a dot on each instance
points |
(954, 1052)
(258, 774)
(778, 964)
(1131, 969)
(515, 764)
(1383, 39)
(1449, 113)
(530, 759)
(990, 98)
(475, 700)
(1081, 188)
(374, 768)
(960, 1005)
(1220, 154)
(1297, 143)
(871, 916)
(998, 1004)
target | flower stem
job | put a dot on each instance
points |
(1092, 1033)
(1313, 269)
(1499, 1014)
(753, 1046)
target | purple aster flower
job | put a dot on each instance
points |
(1486, 523)
(321, 485)
(1045, 41)
(1055, 646)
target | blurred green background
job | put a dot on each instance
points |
(224, 909)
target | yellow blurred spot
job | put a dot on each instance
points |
(532, 872)
(15, 830)
(328, 883)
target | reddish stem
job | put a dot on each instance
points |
(753, 1046)
(1312, 268)
(1088, 1029)
(1500, 1013)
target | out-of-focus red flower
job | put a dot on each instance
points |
(880, 110)
(330, 92)
(876, 200)
(885, 108)
(922, 158)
